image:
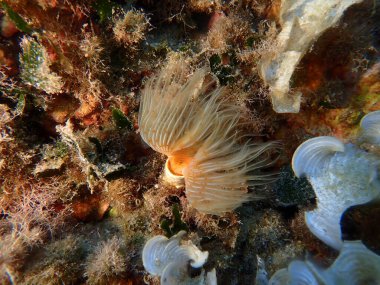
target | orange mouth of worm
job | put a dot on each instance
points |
(180, 160)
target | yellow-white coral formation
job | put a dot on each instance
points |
(302, 22)
(355, 265)
(342, 176)
(170, 259)
(199, 132)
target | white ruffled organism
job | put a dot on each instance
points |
(355, 265)
(302, 22)
(341, 176)
(370, 128)
(170, 259)
(211, 277)
(297, 273)
(261, 273)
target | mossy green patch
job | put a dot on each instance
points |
(173, 226)
(104, 9)
(121, 120)
(224, 72)
(16, 19)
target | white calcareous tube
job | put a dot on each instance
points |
(302, 22)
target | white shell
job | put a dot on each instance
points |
(169, 259)
(197, 258)
(174, 274)
(327, 229)
(355, 265)
(370, 128)
(301, 274)
(211, 277)
(297, 273)
(310, 156)
(158, 251)
(361, 264)
(340, 180)
(261, 273)
(280, 277)
(173, 179)
(302, 21)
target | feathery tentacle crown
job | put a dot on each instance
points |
(199, 132)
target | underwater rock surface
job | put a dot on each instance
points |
(125, 120)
